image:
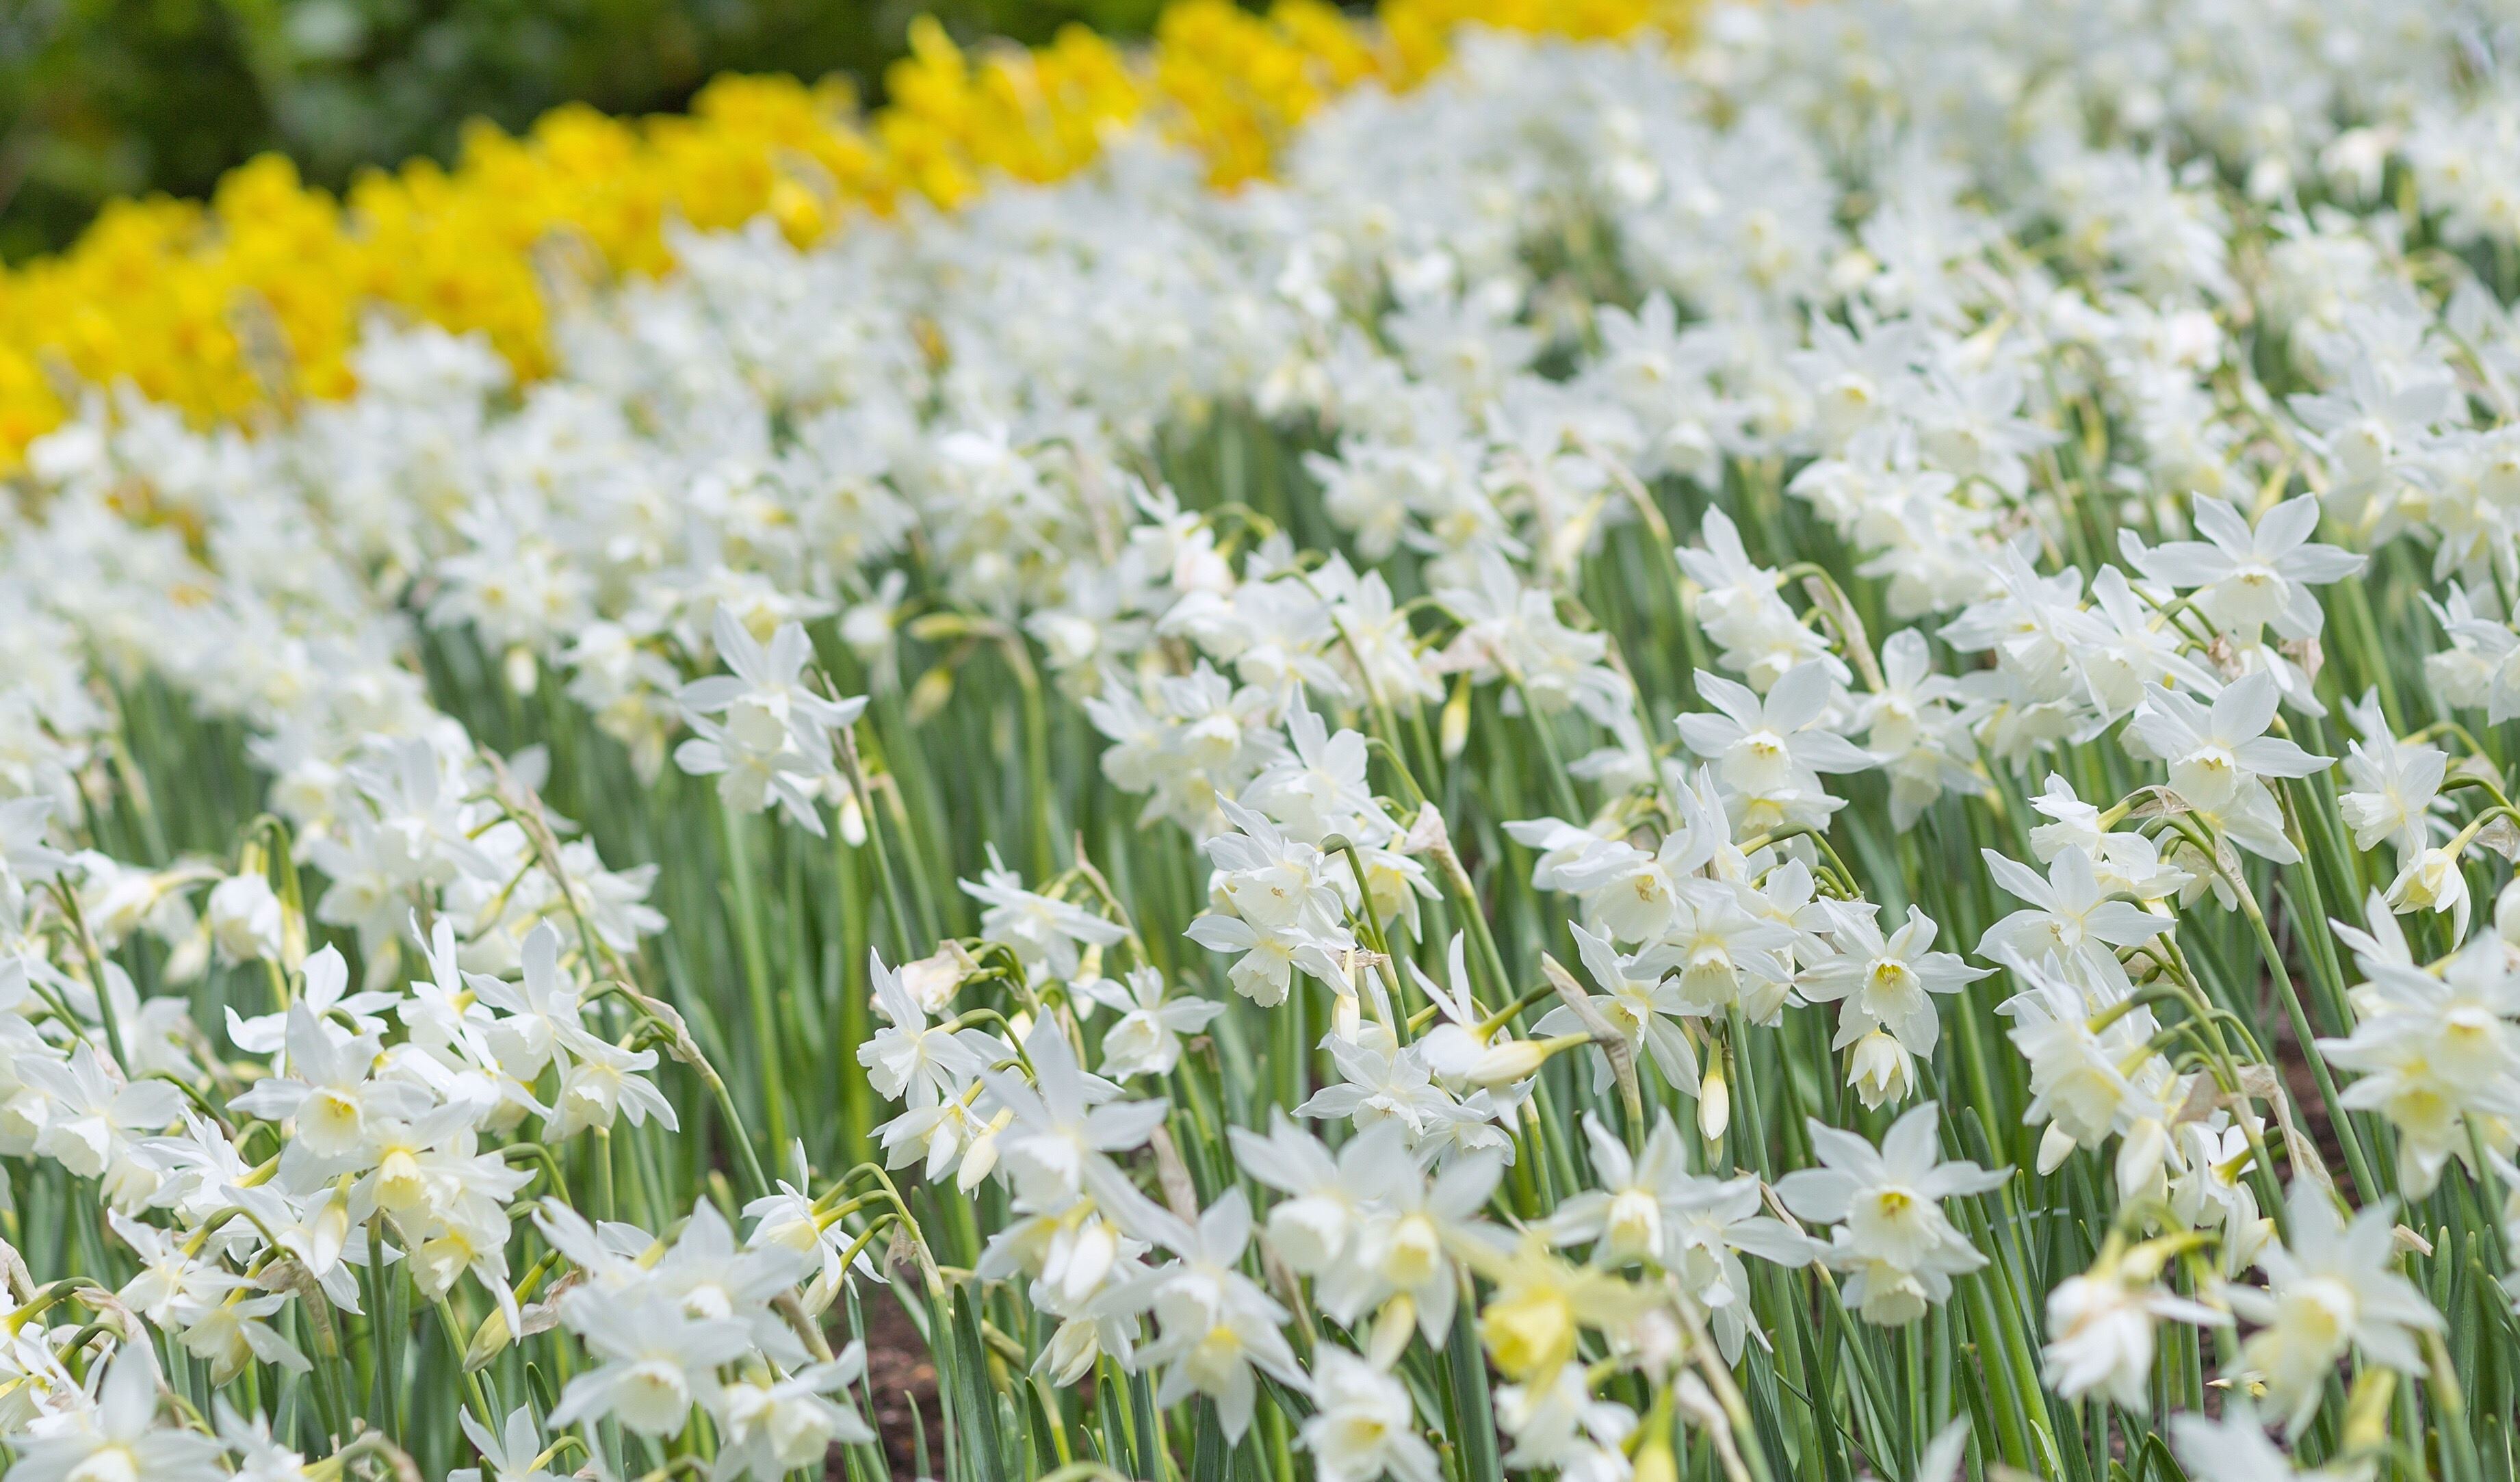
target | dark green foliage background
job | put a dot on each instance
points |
(103, 98)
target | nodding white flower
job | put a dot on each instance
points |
(1266, 969)
(910, 1059)
(91, 1115)
(1886, 983)
(767, 690)
(2435, 1053)
(1044, 932)
(244, 919)
(1088, 1330)
(1189, 741)
(951, 1136)
(2076, 822)
(1401, 1243)
(2033, 628)
(1719, 954)
(657, 1360)
(754, 760)
(1891, 1235)
(232, 1332)
(322, 987)
(120, 1438)
(2234, 1448)
(600, 1081)
(1380, 1079)
(2212, 1189)
(511, 1454)
(168, 1272)
(1650, 1208)
(1759, 636)
(2125, 863)
(2069, 916)
(787, 1219)
(2393, 787)
(2329, 1290)
(773, 1427)
(1313, 1228)
(1922, 743)
(2433, 880)
(1214, 1326)
(2080, 1079)
(2125, 648)
(1624, 1219)
(1064, 1120)
(1631, 894)
(2247, 579)
(708, 1275)
(2102, 1324)
(1881, 1070)
(1146, 1040)
(535, 1014)
(429, 1170)
(1764, 746)
(1271, 881)
(2220, 759)
(1320, 790)
(1709, 1225)
(1645, 1009)
(1362, 1425)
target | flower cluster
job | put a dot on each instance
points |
(257, 300)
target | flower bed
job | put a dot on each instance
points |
(1777, 755)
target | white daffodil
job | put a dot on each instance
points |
(1214, 1327)
(2329, 1288)
(1147, 1039)
(1885, 982)
(1761, 746)
(1064, 1120)
(2069, 916)
(2101, 1329)
(655, 1362)
(120, 1438)
(2220, 759)
(1891, 1237)
(2436, 1054)
(1045, 933)
(2246, 579)
(1362, 1425)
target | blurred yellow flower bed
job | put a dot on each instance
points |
(235, 306)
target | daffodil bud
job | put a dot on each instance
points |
(1454, 731)
(1881, 1070)
(2143, 1157)
(2367, 1410)
(1654, 1461)
(244, 918)
(1509, 1060)
(1393, 1326)
(1714, 1102)
(1529, 1332)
